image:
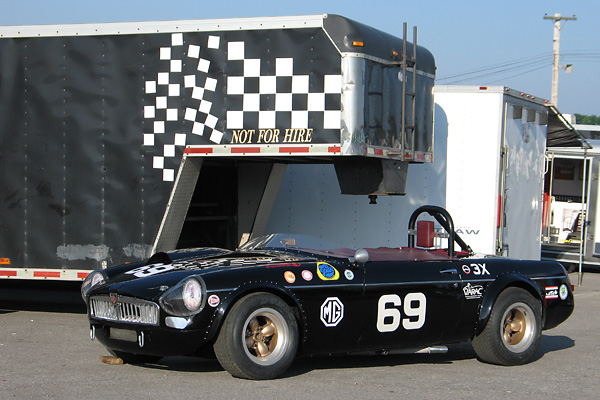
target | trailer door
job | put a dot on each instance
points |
(522, 182)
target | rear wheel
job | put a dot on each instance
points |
(512, 334)
(259, 338)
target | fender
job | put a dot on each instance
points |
(246, 288)
(493, 291)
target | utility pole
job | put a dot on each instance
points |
(557, 18)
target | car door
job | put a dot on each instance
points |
(411, 304)
(331, 294)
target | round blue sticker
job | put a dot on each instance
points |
(327, 272)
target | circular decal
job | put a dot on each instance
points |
(563, 292)
(289, 277)
(466, 269)
(213, 300)
(332, 311)
(307, 275)
(327, 272)
(349, 274)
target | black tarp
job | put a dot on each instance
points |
(561, 133)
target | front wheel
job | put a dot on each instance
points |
(512, 334)
(258, 339)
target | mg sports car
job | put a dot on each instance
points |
(279, 296)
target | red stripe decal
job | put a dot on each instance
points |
(82, 275)
(46, 274)
(198, 150)
(245, 149)
(334, 149)
(293, 149)
(379, 152)
(8, 273)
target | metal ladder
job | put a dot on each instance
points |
(408, 95)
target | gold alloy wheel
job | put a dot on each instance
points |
(518, 328)
(266, 336)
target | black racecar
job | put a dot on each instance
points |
(279, 296)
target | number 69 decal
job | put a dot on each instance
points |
(415, 305)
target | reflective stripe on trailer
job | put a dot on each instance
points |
(50, 274)
(294, 150)
(264, 150)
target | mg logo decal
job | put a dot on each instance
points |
(332, 311)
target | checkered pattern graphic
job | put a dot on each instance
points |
(261, 94)
(280, 99)
(226, 262)
(171, 84)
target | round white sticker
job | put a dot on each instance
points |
(563, 292)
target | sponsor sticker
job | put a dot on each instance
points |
(327, 272)
(307, 275)
(473, 291)
(349, 274)
(476, 269)
(563, 292)
(214, 300)
(289, 276)
(332, 311)
(552, 292)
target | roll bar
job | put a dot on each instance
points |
(445, 220)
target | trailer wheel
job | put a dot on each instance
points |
(512, 334)
(131, 358)
(258, 339)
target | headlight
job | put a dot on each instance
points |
(186, 298)
(93, 279)
(192, 294)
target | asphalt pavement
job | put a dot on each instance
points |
(46, 352)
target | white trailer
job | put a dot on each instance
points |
(495, 166)
(571, 232)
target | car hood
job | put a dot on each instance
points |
(151, 280)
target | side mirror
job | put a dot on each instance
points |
(361, 257)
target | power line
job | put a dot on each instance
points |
(513, 76)
(538, 62)
(498, 70)
(516, 63)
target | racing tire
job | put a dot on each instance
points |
(130, 358)
(513, 331)
(258, 339)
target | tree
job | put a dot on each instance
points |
(587, 119)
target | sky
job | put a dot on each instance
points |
(506, 43)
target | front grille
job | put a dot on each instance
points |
(124, 309)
